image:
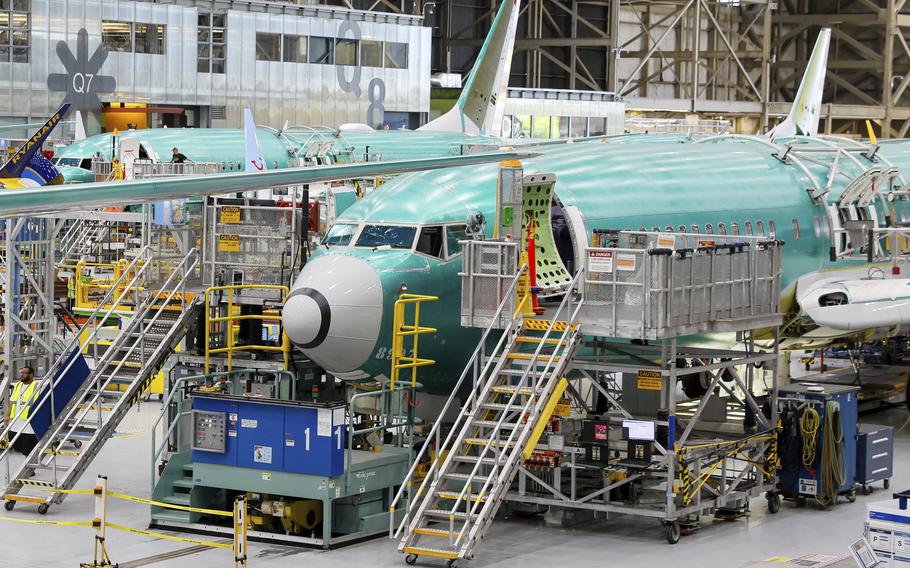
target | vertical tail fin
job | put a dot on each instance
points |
(479, 108)
(25, 156)
(804, 114)
(80, 128)
(254, 159)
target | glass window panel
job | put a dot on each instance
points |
(22, 5)
(20, 55)
(203, 35)
(370, 53)
(218, 66)
(321, 50)
(142, 38)
(386, 236)
(454, 234)
(204, 20)
(4, 19)
(396, 55)
(4, 36)
(218, 35)
(202, 65)
(5, 4)
(218, 51)
(20, 22)
(579, 126)
(4, 53)
(430, 241)
(563, 126)
(295, 49)
(20, 38)
(268, 47)
(203, 50)
(598, 126)
(346, 52)
(218, 20)
(340, 234)
(115, 36)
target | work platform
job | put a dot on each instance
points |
(555, 399)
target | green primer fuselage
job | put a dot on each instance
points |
(632, 183)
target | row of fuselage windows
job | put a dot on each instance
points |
(439, 241)
(331, 51)
(747, 229)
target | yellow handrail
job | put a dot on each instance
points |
(230, 318)
(402, 330)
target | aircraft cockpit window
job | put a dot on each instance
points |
(73, 162)
(340, 235)
(430, 241)
(397, 237)
(86, 164)
(454, 234)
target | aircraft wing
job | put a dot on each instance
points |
(77, 197)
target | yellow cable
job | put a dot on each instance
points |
(808, 424)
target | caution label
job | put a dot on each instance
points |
(229, 243)
(649, 380)
(625, 262)
(600, 261)
(230, 214)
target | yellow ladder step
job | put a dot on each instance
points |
(438, 553)
(435, 532)
(453, 496)
(536, 340)
(511, 389)
(542, 358)
(486, 441)
(24, 498)
(542, 325)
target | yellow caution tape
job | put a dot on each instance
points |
(126, 497)
(61, 523)
(225, 545)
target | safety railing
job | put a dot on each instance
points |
(102, 377)
(85, 286)
(94, 322)
(228, 321)
(402, 330)
(146, 169)
(478, 366)
(651, 285)
(487, 269)
(396, 417)
(176, 417)
(537, 395)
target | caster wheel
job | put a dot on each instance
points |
(42, 508)
(9, 505)
(452, 563)
(887, 483)
(867, 490)
(773, 503)
(77, 444)
(672, 533)
(410, 559)
(851, 496)
(160, 397)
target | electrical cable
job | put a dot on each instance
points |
(833, 468)
(808, 425)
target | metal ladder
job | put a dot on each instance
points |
(512, 398)
(80, 239)
(121, 373)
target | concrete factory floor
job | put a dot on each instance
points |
(620, 541)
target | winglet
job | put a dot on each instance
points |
(804, 114)
(479, 109)
(23, 156)
(254, 159)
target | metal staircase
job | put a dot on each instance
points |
(514, 393)
(81, 239)
(120, 373)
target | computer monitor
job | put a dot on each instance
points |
(638, 430)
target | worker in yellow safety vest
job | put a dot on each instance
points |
(25, 392)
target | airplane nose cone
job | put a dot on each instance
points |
(334, 312)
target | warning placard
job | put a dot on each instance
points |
(649, 380)
(666, 241)
(600, 261)
(229, 243)
(625, 262)
(230, 214)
